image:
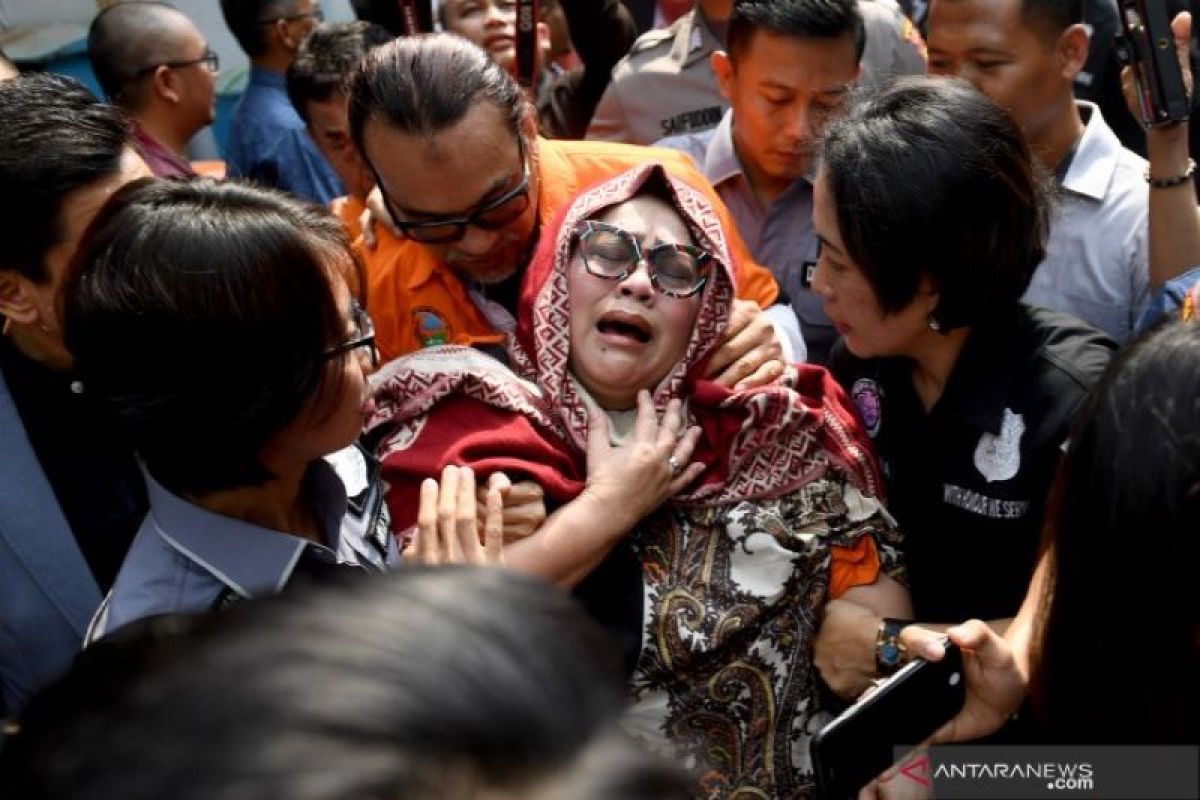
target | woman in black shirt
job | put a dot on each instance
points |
(932, 218)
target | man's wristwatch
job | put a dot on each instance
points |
(889, 650)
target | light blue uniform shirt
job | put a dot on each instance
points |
(780, 237)
(1097, 264)
(186, 558)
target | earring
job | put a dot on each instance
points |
(933, 323)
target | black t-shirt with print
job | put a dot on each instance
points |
(968, 480)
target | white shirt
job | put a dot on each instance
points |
(1097, 264)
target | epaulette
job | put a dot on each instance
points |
(653, 38)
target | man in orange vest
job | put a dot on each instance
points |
(461, 170)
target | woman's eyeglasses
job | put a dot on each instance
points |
(364, 336)
(676, 270)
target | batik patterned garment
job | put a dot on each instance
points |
(733, 597)
(737, 568)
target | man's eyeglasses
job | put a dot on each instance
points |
(364, 336)
(490, 215)
(676, 270)
(317, 14)
(209, 60)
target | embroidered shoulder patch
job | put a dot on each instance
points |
(868, 397)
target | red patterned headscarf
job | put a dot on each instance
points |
(454, 405)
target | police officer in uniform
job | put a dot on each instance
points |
(666, 85)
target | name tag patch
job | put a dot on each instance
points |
(698, 120)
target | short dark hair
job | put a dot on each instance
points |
(326, 59)
(1051, 17)
(1133, 467)
(930, 178)
(423, 85)
(447, 682)
(385, 13)
(123, 39)
(198, 313)
(55, 138)
(806, 19)
(244, 20)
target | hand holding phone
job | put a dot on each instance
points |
(1147, 46)
(904, 710)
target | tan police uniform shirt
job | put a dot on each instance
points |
(666, 86)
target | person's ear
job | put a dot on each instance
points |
(166, 84)
(529, 124)
(16, 298)
(723, 68)
(928, 295)
(283, 31)
(543, 47)
(529, 131)
(1072, 51)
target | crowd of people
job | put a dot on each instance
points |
(589, 406)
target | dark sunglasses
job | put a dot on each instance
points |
(676, 270)
(209, 60)
(490, 215)
(364, 336)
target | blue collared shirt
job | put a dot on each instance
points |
(185, 558)
(269, 144)
(1168, 302)
(780, 237)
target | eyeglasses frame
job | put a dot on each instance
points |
(702, 256)
(210, 59)
(471, 217)
(366, 337)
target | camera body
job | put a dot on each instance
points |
(1147, 46)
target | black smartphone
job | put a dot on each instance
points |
(1148, 47)
(903, 711)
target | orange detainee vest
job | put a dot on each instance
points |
(416, 301)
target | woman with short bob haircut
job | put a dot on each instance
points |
(214, 323)
(932, 218)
